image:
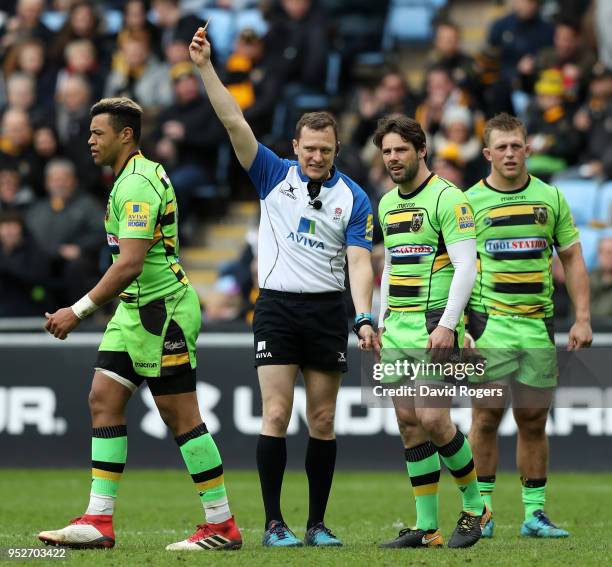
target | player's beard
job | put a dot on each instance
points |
(408, 174)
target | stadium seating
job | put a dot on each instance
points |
(410, 21)
(589, 238)
(581, 195)
(603, 209)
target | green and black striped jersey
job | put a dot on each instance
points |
(516, 232)
(417, 229)
(142, 204)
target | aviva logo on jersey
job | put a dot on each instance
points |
(465, 218)
(306, 225)
(137, 216)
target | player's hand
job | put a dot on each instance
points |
(368, 339)
(61, 323)
(441, 341)
(580, 336)
(199, 48)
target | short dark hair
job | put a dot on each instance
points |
(123, 112)
(316, 121)
(11, 215)
(504, 122)
(407, 128)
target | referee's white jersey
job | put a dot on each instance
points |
(301, 249)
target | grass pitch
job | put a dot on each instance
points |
(159, 507)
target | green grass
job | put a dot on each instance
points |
(159, 507)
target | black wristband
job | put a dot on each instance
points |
(360, 324)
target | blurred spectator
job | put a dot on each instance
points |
(297, 40)
(21, 95)
(72, 125)
(46, 147)
(456, 143)
(16, 142)
(451, 171)
(440, 94)
(594, 122)
(189, 134)
(251, 81)
(573, 60)
(81, 59)
(447, 54)
(24, 24)
(83, 22)
(13, 197)
(67, 226)
(553, 140)
(23, 270)
(135, 22)
(138, 74)
(603, 11)
(391, 95)
(519, 36)
(28, 56)
(601, 280)
(177, 29)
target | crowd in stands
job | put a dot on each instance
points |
(548, 61)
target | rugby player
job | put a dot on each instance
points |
(152, 336)
(519, 220)
(430, 266)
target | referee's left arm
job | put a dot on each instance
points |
(361, 275)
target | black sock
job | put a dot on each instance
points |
(271, 463)
(320, 464)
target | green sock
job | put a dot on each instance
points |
(203, 462)
(457, 456)
(108, 456)
(486, 485)
(534, 495)
(423, 466)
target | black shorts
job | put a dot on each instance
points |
(121, 364)
(307, 329)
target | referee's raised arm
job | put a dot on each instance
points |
(225, 106)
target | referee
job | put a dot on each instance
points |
(312, 218)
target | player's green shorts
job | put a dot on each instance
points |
(515, 347)
(156, 341)
(405, 339)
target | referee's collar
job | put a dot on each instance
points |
(330, 182)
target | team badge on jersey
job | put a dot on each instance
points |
(540, 214)
(417, 222)
(465, 218)
(137, 216)
(402, 221)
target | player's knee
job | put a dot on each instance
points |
(321, 422)
(532, 423)
(486, 422)
(276, 419)
(435, 424)
(407, 423)
(100, 403)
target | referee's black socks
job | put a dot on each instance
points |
(320, 465)
(271, 463)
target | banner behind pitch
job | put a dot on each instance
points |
(44, 418)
